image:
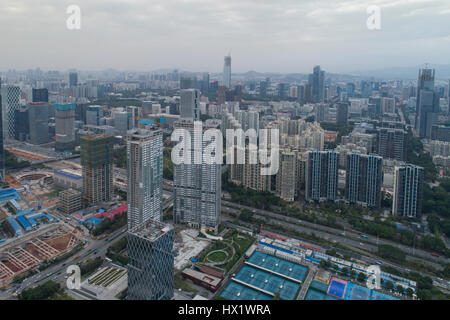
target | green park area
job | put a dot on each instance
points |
(224, 254)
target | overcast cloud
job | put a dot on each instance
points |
(262, 35)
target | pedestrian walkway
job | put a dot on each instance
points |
(307, 283)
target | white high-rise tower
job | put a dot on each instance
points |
(145, 174)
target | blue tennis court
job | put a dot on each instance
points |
(337, 288)
(268, 282)
(356, 292)
(237, 291)
(281, 266)
(314, 294)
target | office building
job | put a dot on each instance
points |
(263, 85)
(408, 191)
(427, 103)
(70, 201)
(227, 72)
(316, 80)
(392, 143)
(188, 82)
(65, 126)
(321, 179)
(97, 155)
(38, 113)
(145, 175)
(22, 119)
(282, 90)
(150, 268)
(122, 122)
(73, 79)
(204, 87)
(440, 132)
(388, 105)
(364, 179)
(10, 103)
(2, 150)
(40, 95)
(93, 115)
(189, 104)
(342, 113)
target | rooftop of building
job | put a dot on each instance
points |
(142, 134)
(152, 230)
(96, 136)
(65, 107)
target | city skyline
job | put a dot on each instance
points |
(270, 37)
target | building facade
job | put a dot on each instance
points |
(65, 126)
(150, 269)
(10, 103)
(227, 72)
(97, 155)
(392, 143)
(364, 179)
(321, 179)
(427, 103)
(145, 175)
(39, 114)
(408, 191)
(197, 186)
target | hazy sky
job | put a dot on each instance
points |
(194, 35)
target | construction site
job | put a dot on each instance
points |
(29, 251)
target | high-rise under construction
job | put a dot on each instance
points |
(97, 162)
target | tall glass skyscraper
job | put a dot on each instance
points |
(427, 103)
(316, 80)
(11, 103)
(2, 151)
(227, 71)
(150, 270)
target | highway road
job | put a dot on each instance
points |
(349, 234)
(368, 258)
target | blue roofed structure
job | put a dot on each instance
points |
(9, 194)
(68, 175)
(93, 221)
(65, 107)
(15, 226)
(24, 222)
